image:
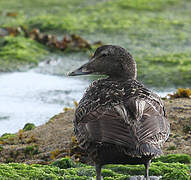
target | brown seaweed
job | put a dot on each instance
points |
(181, 93)
(69, 42)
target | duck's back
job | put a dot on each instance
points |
(119, 119)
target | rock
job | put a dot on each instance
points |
(55, 139)
(143, 178)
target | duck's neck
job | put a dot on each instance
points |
(129, 72)
(120, 79)
(130, 69)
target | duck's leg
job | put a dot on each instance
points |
(147, 164)
(98, 171)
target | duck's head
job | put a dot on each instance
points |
(110, 60)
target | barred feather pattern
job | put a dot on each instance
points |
(108, 93)
(121, 113)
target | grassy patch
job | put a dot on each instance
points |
(66, 169)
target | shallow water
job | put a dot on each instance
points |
(37, 95)
(33, 97)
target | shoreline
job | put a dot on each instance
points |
(55, 139)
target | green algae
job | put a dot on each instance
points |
(166, 170)
(109, 16)
(174, 158)
(173, 69)
(146, 4)
(91, 16)
(17, 51)
(23, 171)
(31, 150)
(64, 163)
(187, 128)
(7, 136)
(77, 171)
(28, 127)
(85, 15)
(157, 33)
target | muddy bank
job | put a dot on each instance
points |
(53, 140)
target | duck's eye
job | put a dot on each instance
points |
(104, 55)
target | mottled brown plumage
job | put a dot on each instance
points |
(118, 120)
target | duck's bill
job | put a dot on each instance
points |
(80, 71)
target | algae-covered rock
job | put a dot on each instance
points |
(31, 150)
(57, 135)
(23, 171)
(174, 170)
(181, 93)
(159, 42)
(17, 51)
(64, 163)
(28, 127)
(6, 136)
(174, 158)
(168, 171)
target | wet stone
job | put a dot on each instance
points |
(143, 178)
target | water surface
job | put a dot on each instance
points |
(37, 95)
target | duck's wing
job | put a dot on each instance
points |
(104, 125)
(137, 125)
(151, 125)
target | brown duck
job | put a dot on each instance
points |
(118, 120)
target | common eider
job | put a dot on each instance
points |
(118, 120)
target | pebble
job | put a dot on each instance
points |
(143, 178)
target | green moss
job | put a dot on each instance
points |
(7, 136)
(16, 51)
(187, 128)
(109, 16)
(91, 16)
(145, 4)
(23, 171)
(31, 150)
(110, 172)
(87, 16)
(173, 158)
(171, 148)
(177, 174)
(64, 163)
(173, 170)
(28, 127)
(168, 67)
(159, 41)
(121, 169)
